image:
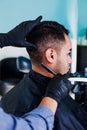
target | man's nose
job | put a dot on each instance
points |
(70, 60)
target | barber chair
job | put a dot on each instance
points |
(12, 71)
(80, 89)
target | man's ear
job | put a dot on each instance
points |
(50, 55)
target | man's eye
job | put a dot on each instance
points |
(69, 54)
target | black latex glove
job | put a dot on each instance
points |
(16, 37)
(58, 88)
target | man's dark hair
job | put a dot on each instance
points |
(45, 35)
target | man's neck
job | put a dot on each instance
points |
(41, 71)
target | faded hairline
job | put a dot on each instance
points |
(47, 34)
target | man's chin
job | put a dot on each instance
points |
(64, 73)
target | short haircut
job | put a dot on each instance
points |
(45, 35)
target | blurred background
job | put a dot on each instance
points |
(72, 14)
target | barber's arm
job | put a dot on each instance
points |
(41, 118)
(16, 37)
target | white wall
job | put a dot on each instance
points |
(12, 52)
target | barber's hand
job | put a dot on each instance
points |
(58, 88)
(16, 37)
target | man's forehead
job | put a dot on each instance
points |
(67, 46)
(68, 42)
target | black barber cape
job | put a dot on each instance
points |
(29, 92)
